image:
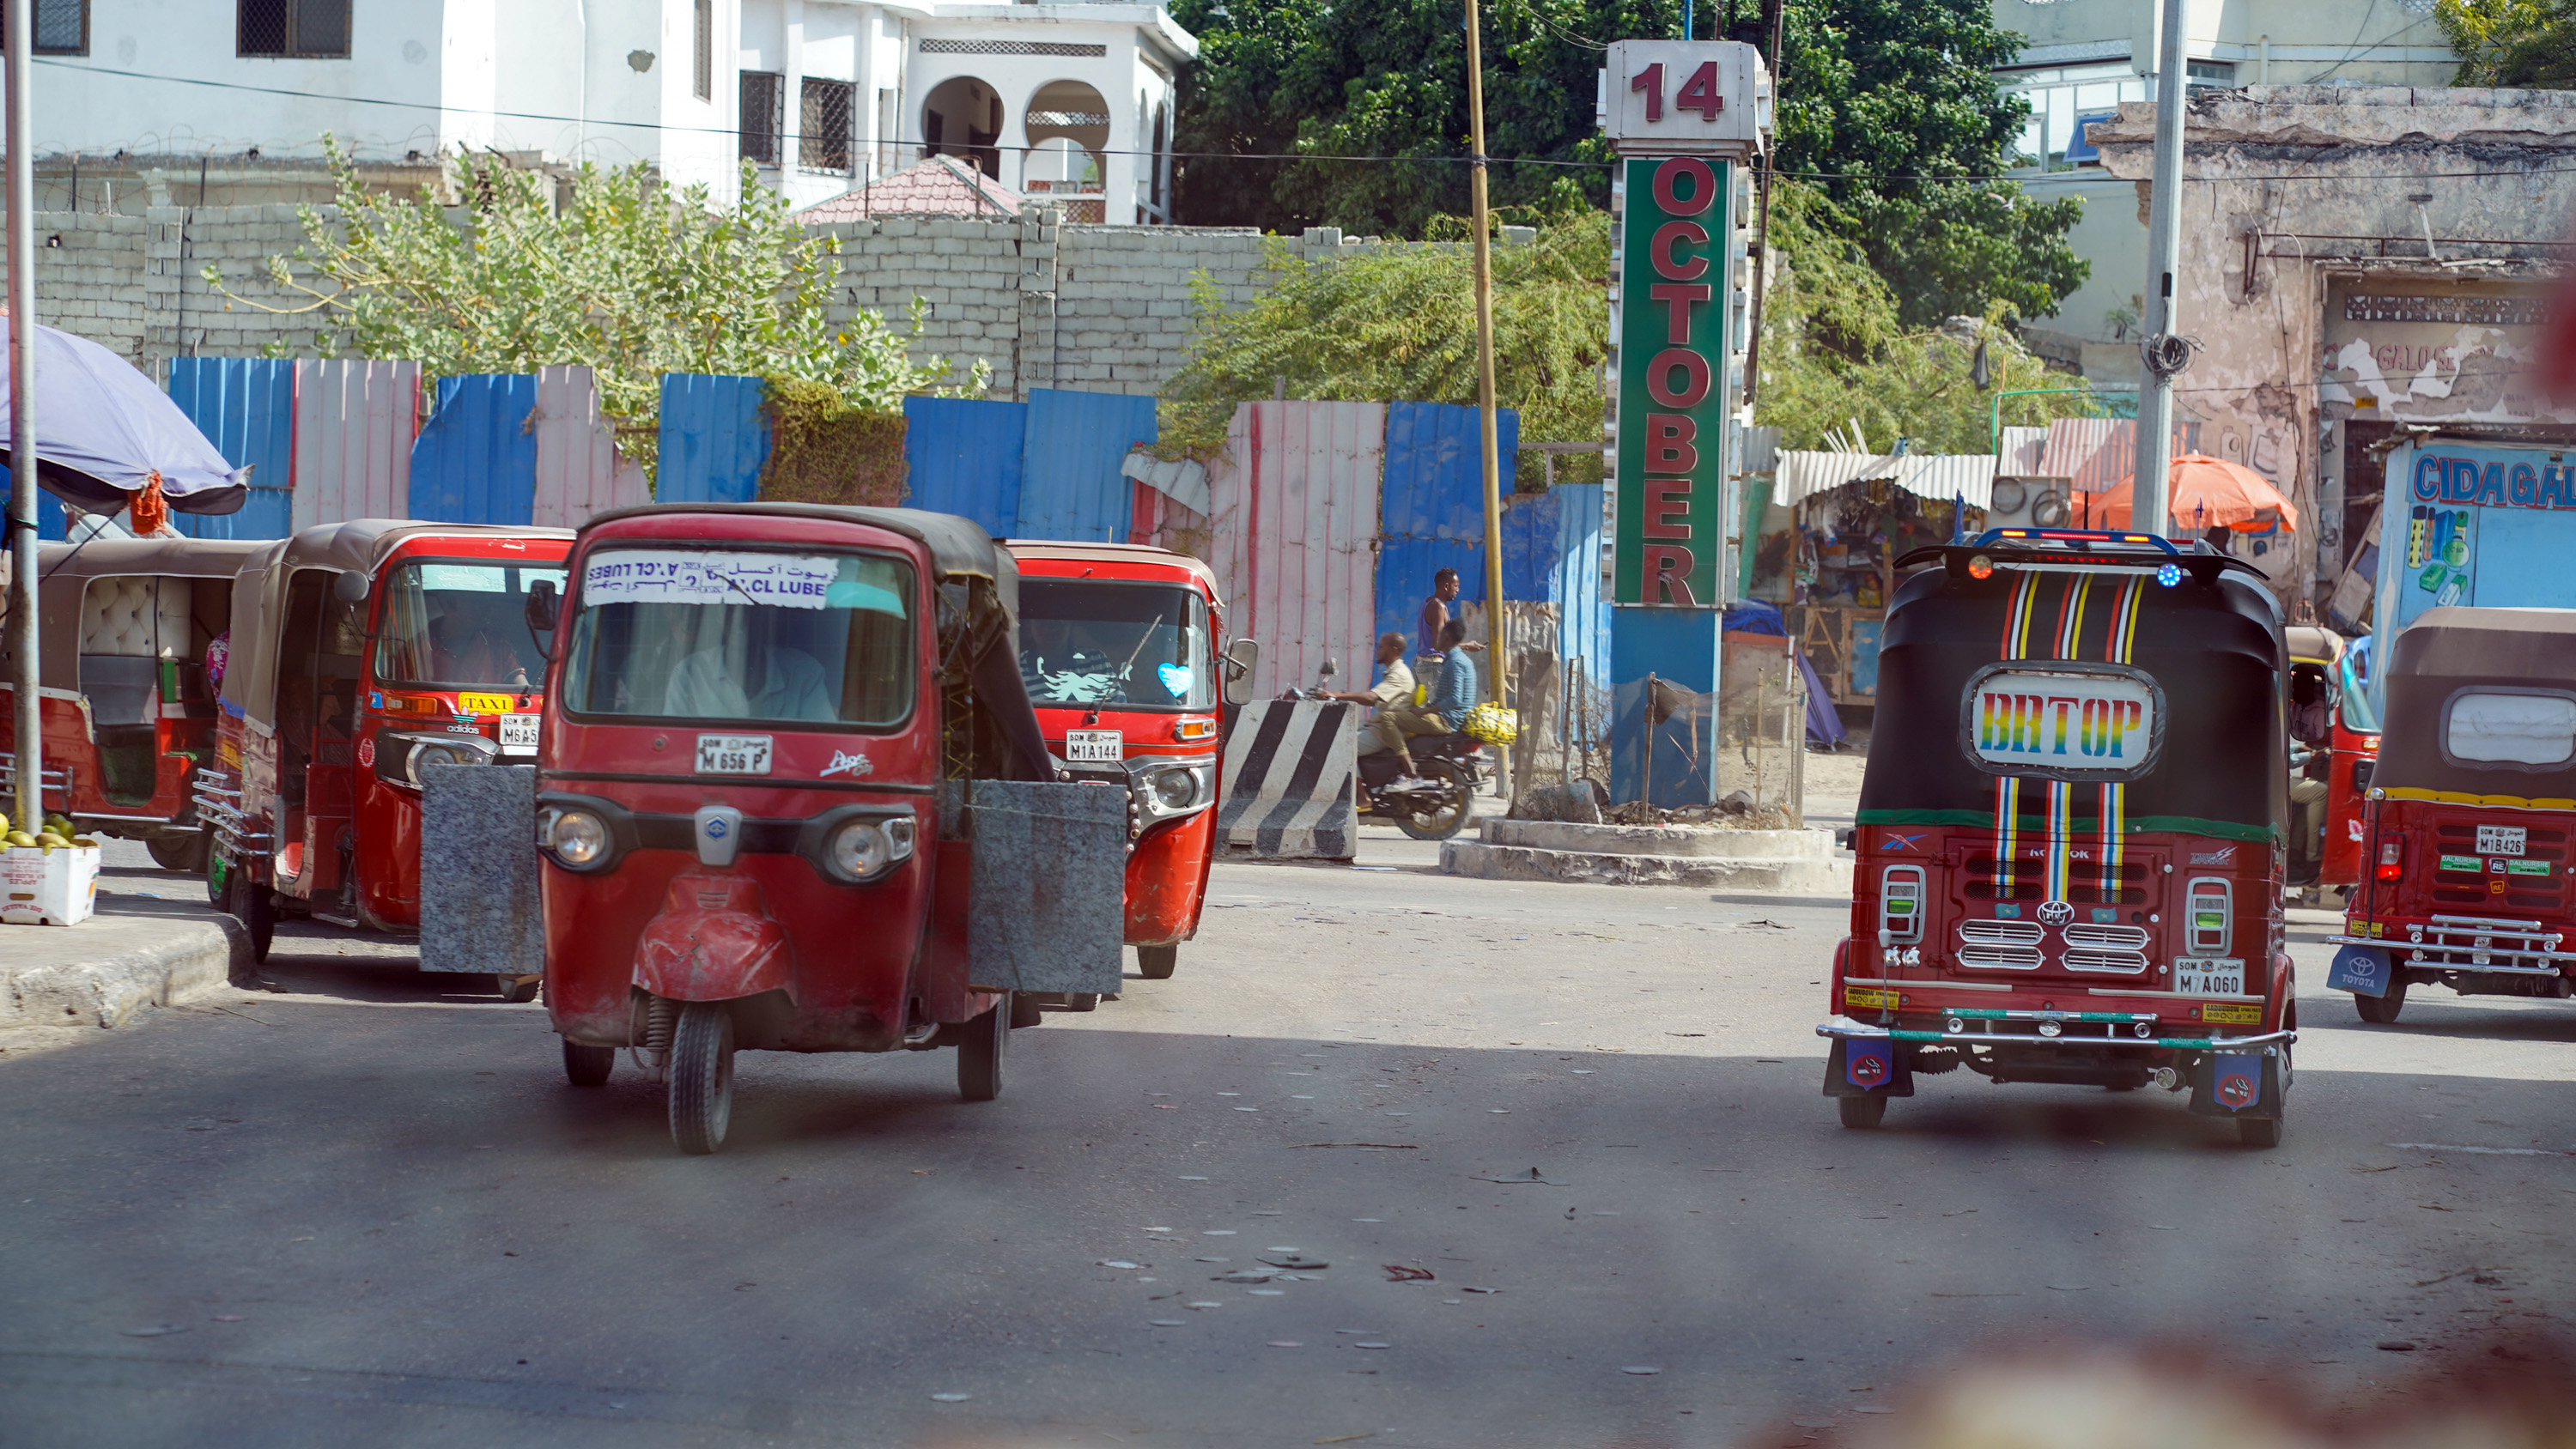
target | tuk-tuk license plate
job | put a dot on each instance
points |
(733, 754)
(519, 734)
(2503, 839)
(1094, 747)
(2209, 975)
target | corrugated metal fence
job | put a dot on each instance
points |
(1293, 510)
(713, 440)
(246, 407)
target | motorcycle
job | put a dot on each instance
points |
(1451, 766)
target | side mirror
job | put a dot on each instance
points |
(349, 587)
(1331, 667)
(544, 610)
(1240, 659)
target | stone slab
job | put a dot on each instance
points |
(1047, 900)
(1666, 840)
(480, 909)
(110, 969)
(1477, 859)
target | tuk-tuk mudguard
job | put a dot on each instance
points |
(713, 941)
(1167, 880)
(1868, 1067)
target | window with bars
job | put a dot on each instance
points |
(764, 116)
(827, 114)
(702, 51)
(308, 29)
(62, 27)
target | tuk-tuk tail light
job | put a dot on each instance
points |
(2392, 857)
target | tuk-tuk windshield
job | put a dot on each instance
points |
(460, 623)
(754, 636)
(1087, 642)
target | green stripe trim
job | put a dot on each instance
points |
(2080, 825)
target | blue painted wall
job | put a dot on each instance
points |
(475, 460)
(246, 407)
(714, 441)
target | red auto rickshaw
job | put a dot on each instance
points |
(361, 652)
(2325, 843)
(133, 632)
(2070, 860)
(2472, 820)
(792, 797)
(1118, 651)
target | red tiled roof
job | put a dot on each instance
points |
(939, 186)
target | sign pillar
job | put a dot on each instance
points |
(1685, 117)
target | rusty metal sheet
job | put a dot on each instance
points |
(354, 425)
(1293, 525)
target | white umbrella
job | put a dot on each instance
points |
(105, 433)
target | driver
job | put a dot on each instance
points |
(2311, 732)
(467, 650)
(738, 679)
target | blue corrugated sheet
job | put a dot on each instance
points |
(714, 441)
(963, 457)
(246, 407)
(1405, 567)
(1435, 472)
(1070, 486)
(1583, 628)
(476, 458)
(50, 523)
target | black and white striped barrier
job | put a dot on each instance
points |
(1290, 768)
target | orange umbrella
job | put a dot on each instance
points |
(2207, 493)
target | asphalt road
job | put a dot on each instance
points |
(365, 1208)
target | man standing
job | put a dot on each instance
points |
(1435, 612)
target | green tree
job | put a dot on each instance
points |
(1889, 105)
(623, 276)
(1399, 322)
(2528, 43)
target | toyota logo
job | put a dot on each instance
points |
(2056, 913)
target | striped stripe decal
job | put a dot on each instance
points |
(2016, 645)
(2115, 795)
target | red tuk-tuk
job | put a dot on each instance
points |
(132, 635)
(2078, 881)
(361, 652)
(792, 797)
(2472, 820)
(1118, 651)
(2325, 841)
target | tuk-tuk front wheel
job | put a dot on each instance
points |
(588, 1066)
(1866, 1111)
(980, 1049)
(1155, 963)
(702, 1077)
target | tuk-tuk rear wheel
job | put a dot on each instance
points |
(2259, 1131)
(588, 1066)
(1155, 963)
(2381, 1010)
(1866, 1111)
(980, 1050)
(250, 904)
(182, 853)
(702, 1077)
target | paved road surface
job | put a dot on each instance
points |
(366, 1209)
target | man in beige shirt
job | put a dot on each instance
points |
(1396, 715)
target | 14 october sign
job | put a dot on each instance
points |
(1673, 304)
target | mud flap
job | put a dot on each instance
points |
(2361, 970)
(480, 910)
(1868, 1066)
(1047, 904)
(2237, 1084)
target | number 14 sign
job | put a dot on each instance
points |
(1684, 97)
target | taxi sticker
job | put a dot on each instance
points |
(2243, 1013)
(484, 703)
(1869, 998)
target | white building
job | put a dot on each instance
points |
(2082, 58)
(215, 102)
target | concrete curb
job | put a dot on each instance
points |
(1518, 862)
(110, 969)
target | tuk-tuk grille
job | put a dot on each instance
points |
(2079, 958)
(2002, 958)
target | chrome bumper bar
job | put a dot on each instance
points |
(2453, 943)
(235, 832)
(1846, 1028)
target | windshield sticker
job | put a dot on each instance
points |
(1176, 678)
(2096, 722)
(463, 578)
(674, 576)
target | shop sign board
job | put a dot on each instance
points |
(1673, 399)
(2468, 521)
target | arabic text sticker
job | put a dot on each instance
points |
(704, 576)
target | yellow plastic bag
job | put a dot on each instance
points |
(1494, 724)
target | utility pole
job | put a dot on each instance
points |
(2163, 353)
(1484, 359)
(20, 19)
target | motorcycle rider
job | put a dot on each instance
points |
(1441, 714)
(1394, 691)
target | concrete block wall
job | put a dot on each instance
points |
(1099, 308)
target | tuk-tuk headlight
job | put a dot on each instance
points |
(861, 847)
(1176, 789)
(578, 838)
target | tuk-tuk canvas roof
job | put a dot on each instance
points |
(2449, 649)
(959, 547)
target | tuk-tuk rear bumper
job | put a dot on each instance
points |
(1845, 1028)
